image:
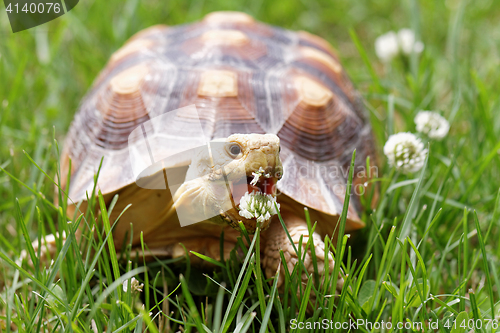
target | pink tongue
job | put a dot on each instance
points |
(268, 186)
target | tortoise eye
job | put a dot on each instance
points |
(234, 150)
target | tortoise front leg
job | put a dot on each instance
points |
(275, 239)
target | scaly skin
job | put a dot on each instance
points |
(276, 239)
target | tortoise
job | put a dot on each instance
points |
(275, 104)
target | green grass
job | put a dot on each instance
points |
(430, 250)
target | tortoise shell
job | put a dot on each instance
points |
(243, 76)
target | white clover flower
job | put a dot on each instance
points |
(258, 205)
(390, 44)
(405, 152)
(432, 124)
(387, 46)
(407, 42)
(134, 285)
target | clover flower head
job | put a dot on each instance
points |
(258, 205)
(387, 46)
(432, 124)
(134, 285)
(408, 42)
(405, 152)
(390, 44)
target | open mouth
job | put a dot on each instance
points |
(256, 182)
(263, 184)
(253, 200)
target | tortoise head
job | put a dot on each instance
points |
(220, 180)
